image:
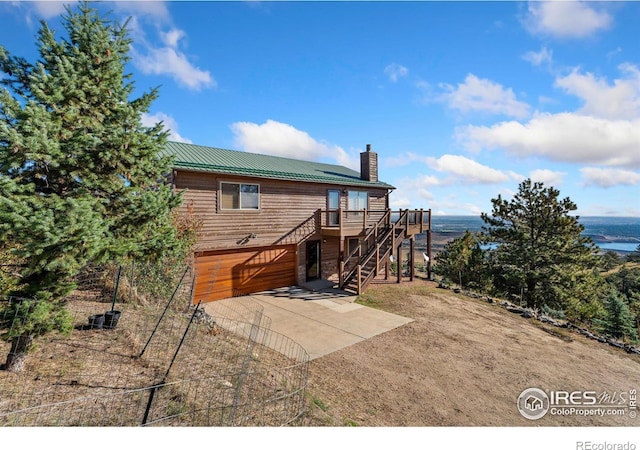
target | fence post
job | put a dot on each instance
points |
(115, 290)
(133, 262)
(164, 312)
(157, 387)
(253, 337)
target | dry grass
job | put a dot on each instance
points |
(217, 378)
(461, 362)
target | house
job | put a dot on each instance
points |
(533, 403)
(270, 222)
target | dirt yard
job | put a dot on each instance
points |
(462, 362)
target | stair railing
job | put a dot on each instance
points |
(349, 265)
(385, 228)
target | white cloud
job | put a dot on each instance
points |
(604, 131)
(428, 94)
(477, 94)
(395, 71)
(601, 99)
(169, 60)
(405, 159)
(548, 177)
(605, 178)
(397, 201)
(422, 181)
(515, 175)
(49, 9)
(544, 56)
(150, 120)
(172, 37)
(467, 170)
(614, 52)
(34, 11)
(562, 137)
(414, 192)
(281, 139)
(566, 19)
(147, 8)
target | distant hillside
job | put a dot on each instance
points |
(620, 234)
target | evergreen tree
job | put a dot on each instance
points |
(540, 252)
(634, 256)
(461, 261)
(626, 280)
(610, 260)
(81, 179)
(618, 321)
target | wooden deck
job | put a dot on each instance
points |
(343, 223)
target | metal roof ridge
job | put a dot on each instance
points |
(259, 155)
(342, 174)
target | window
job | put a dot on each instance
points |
(357, 200)
(353, 245)
(333, 204)
(240, 196)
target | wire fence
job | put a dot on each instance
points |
(133, 360)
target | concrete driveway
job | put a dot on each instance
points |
(322, 320)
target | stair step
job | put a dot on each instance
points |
(386, 236)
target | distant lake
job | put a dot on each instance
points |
(618, 246)
(609, 233)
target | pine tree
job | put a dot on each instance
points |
(462, 261)
(81, 179)
(541, 254)
(634, 256)
(618, 321)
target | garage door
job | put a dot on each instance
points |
(224, 274)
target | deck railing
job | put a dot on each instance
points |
(346, 221)
(378, 243)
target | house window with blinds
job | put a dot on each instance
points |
(357, 200)
(239, 196)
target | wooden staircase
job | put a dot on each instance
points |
(374, 251)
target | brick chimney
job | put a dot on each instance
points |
(369, 165)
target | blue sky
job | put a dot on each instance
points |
(461, 100)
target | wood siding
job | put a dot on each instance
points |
(286, 214)
(330, 249)
(230, 273)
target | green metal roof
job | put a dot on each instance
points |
(233, 162)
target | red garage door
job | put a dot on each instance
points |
(229, 273)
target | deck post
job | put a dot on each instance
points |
(386, 269)
(429, 247)
(412, 267)
(399, 264)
